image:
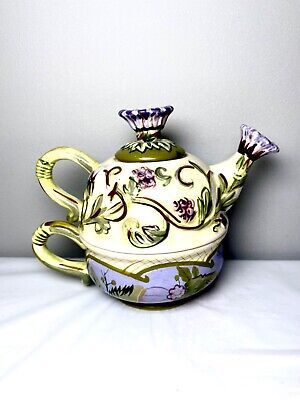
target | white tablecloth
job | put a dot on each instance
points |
(60, 339)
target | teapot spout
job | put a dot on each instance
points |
(255, 145)
(230, 175)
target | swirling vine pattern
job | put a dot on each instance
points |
(120, 200)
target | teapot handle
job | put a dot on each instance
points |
(51, 260)
(44, 168)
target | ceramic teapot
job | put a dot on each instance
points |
(153, 217)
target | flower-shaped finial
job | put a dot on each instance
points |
(254, 144)
(147, 122)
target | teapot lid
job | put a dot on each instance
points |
(149, 144)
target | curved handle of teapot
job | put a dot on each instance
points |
(51, 260)
(44, 169)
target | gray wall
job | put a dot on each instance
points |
(67, 67)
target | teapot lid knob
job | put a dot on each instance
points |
(147, 122)
(149, 145)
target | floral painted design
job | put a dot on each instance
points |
(155, 144)
(145, 177)
(161, 283)
(96, 216)
(192, 280)
(185, 208)
(147, 122)
(254, 144)
(176, 292)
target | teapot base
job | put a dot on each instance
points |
(162, 286)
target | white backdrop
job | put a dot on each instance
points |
(67, 67)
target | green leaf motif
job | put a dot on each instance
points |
(237, 182)
(227, 194)
(132, 186)
(142, 145)
(96, 217)
(240, 162)
(184, 273)
(132, 189)
(160, 173)
(96, 208)
(195, 271)
(243, 166)
(223, 183)
(200, 282)
(228, 200)
(143, 236)
(203, 203)
(102, 226)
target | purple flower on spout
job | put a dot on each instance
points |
(254, 144)
(145, 177)
(185, 208)
(176, 292)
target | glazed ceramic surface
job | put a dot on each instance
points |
(153, 217)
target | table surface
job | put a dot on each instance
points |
(241, 338)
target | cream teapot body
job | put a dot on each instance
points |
(152, 218)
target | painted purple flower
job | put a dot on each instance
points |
(254, 144)
(185, 208)
(176, 292)
(147, 122)
(145, 177)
